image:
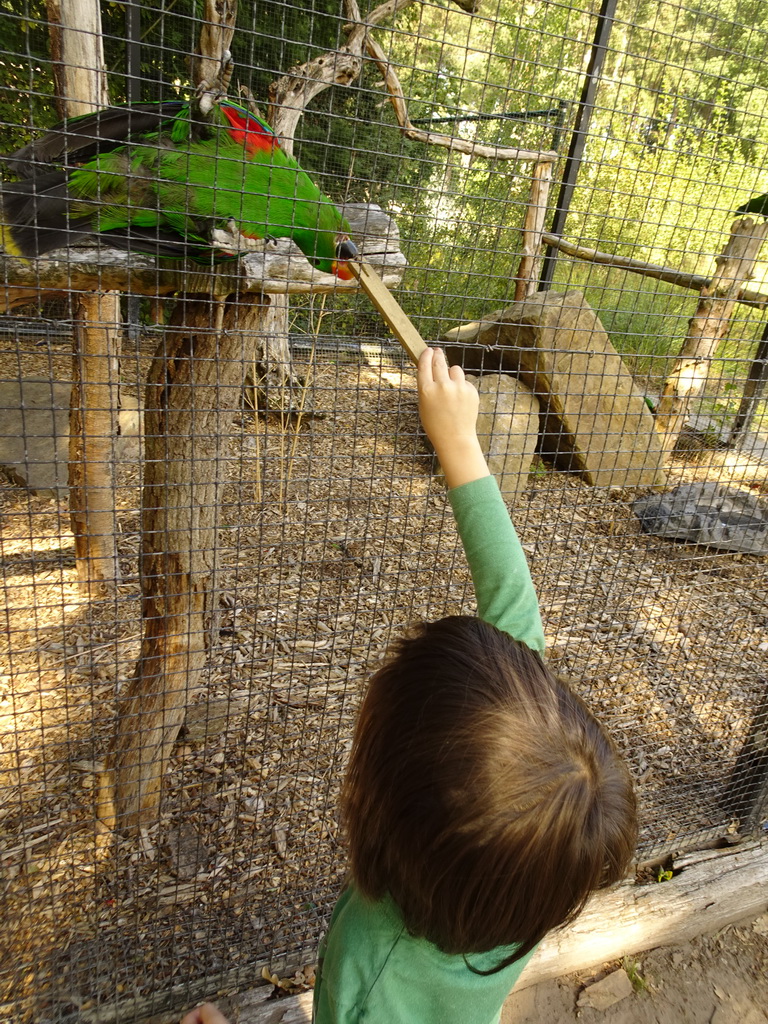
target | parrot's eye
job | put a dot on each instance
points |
(346, 249)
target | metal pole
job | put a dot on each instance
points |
(753, 390)
(133, 95)
(133, 51)
(579, 136)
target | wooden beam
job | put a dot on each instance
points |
(529, 270)
(81, 87)
(708, 327)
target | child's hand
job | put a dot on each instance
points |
(448, 408)
(205, 1014)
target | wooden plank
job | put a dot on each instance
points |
(390, 309)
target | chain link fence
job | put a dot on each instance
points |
(216, 515)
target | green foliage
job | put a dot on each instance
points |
(632, 968)
(26, 77)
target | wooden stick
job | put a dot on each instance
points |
(389, 307)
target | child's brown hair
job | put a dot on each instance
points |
(482, 795)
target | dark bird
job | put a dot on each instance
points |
(757, 204)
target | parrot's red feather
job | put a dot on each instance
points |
(248, 130)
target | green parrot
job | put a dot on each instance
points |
(153, 178)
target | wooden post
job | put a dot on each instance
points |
(708, 327)
(76, 46)
(529, 271)
(93, 424)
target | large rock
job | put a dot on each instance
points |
(508, 429)
(34, 433)
(595, 421)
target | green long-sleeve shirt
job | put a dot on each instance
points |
(371, 970)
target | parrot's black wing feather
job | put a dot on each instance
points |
(81, 138)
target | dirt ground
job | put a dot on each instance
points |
(334, 536)
(715, 979)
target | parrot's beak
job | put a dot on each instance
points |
(341, 270)
(345, 250)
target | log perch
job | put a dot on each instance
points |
(280, 268)
(710, 890)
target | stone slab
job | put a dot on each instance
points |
(34, 433)
(508, 429)
(709, 514)
(605, 993)
(595, 420)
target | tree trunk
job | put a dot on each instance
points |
(81, 87)
(192, 394)
(708, 327)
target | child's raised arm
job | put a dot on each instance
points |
(448, 407)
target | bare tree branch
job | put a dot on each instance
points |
(290, 94)
(670, 274)
(451, 142)
(211, 65)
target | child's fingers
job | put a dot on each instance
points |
(205, 1014)
(424, 371)
(440, 369)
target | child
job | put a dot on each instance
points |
(483, 802)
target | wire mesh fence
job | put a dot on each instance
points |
(218, 512)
